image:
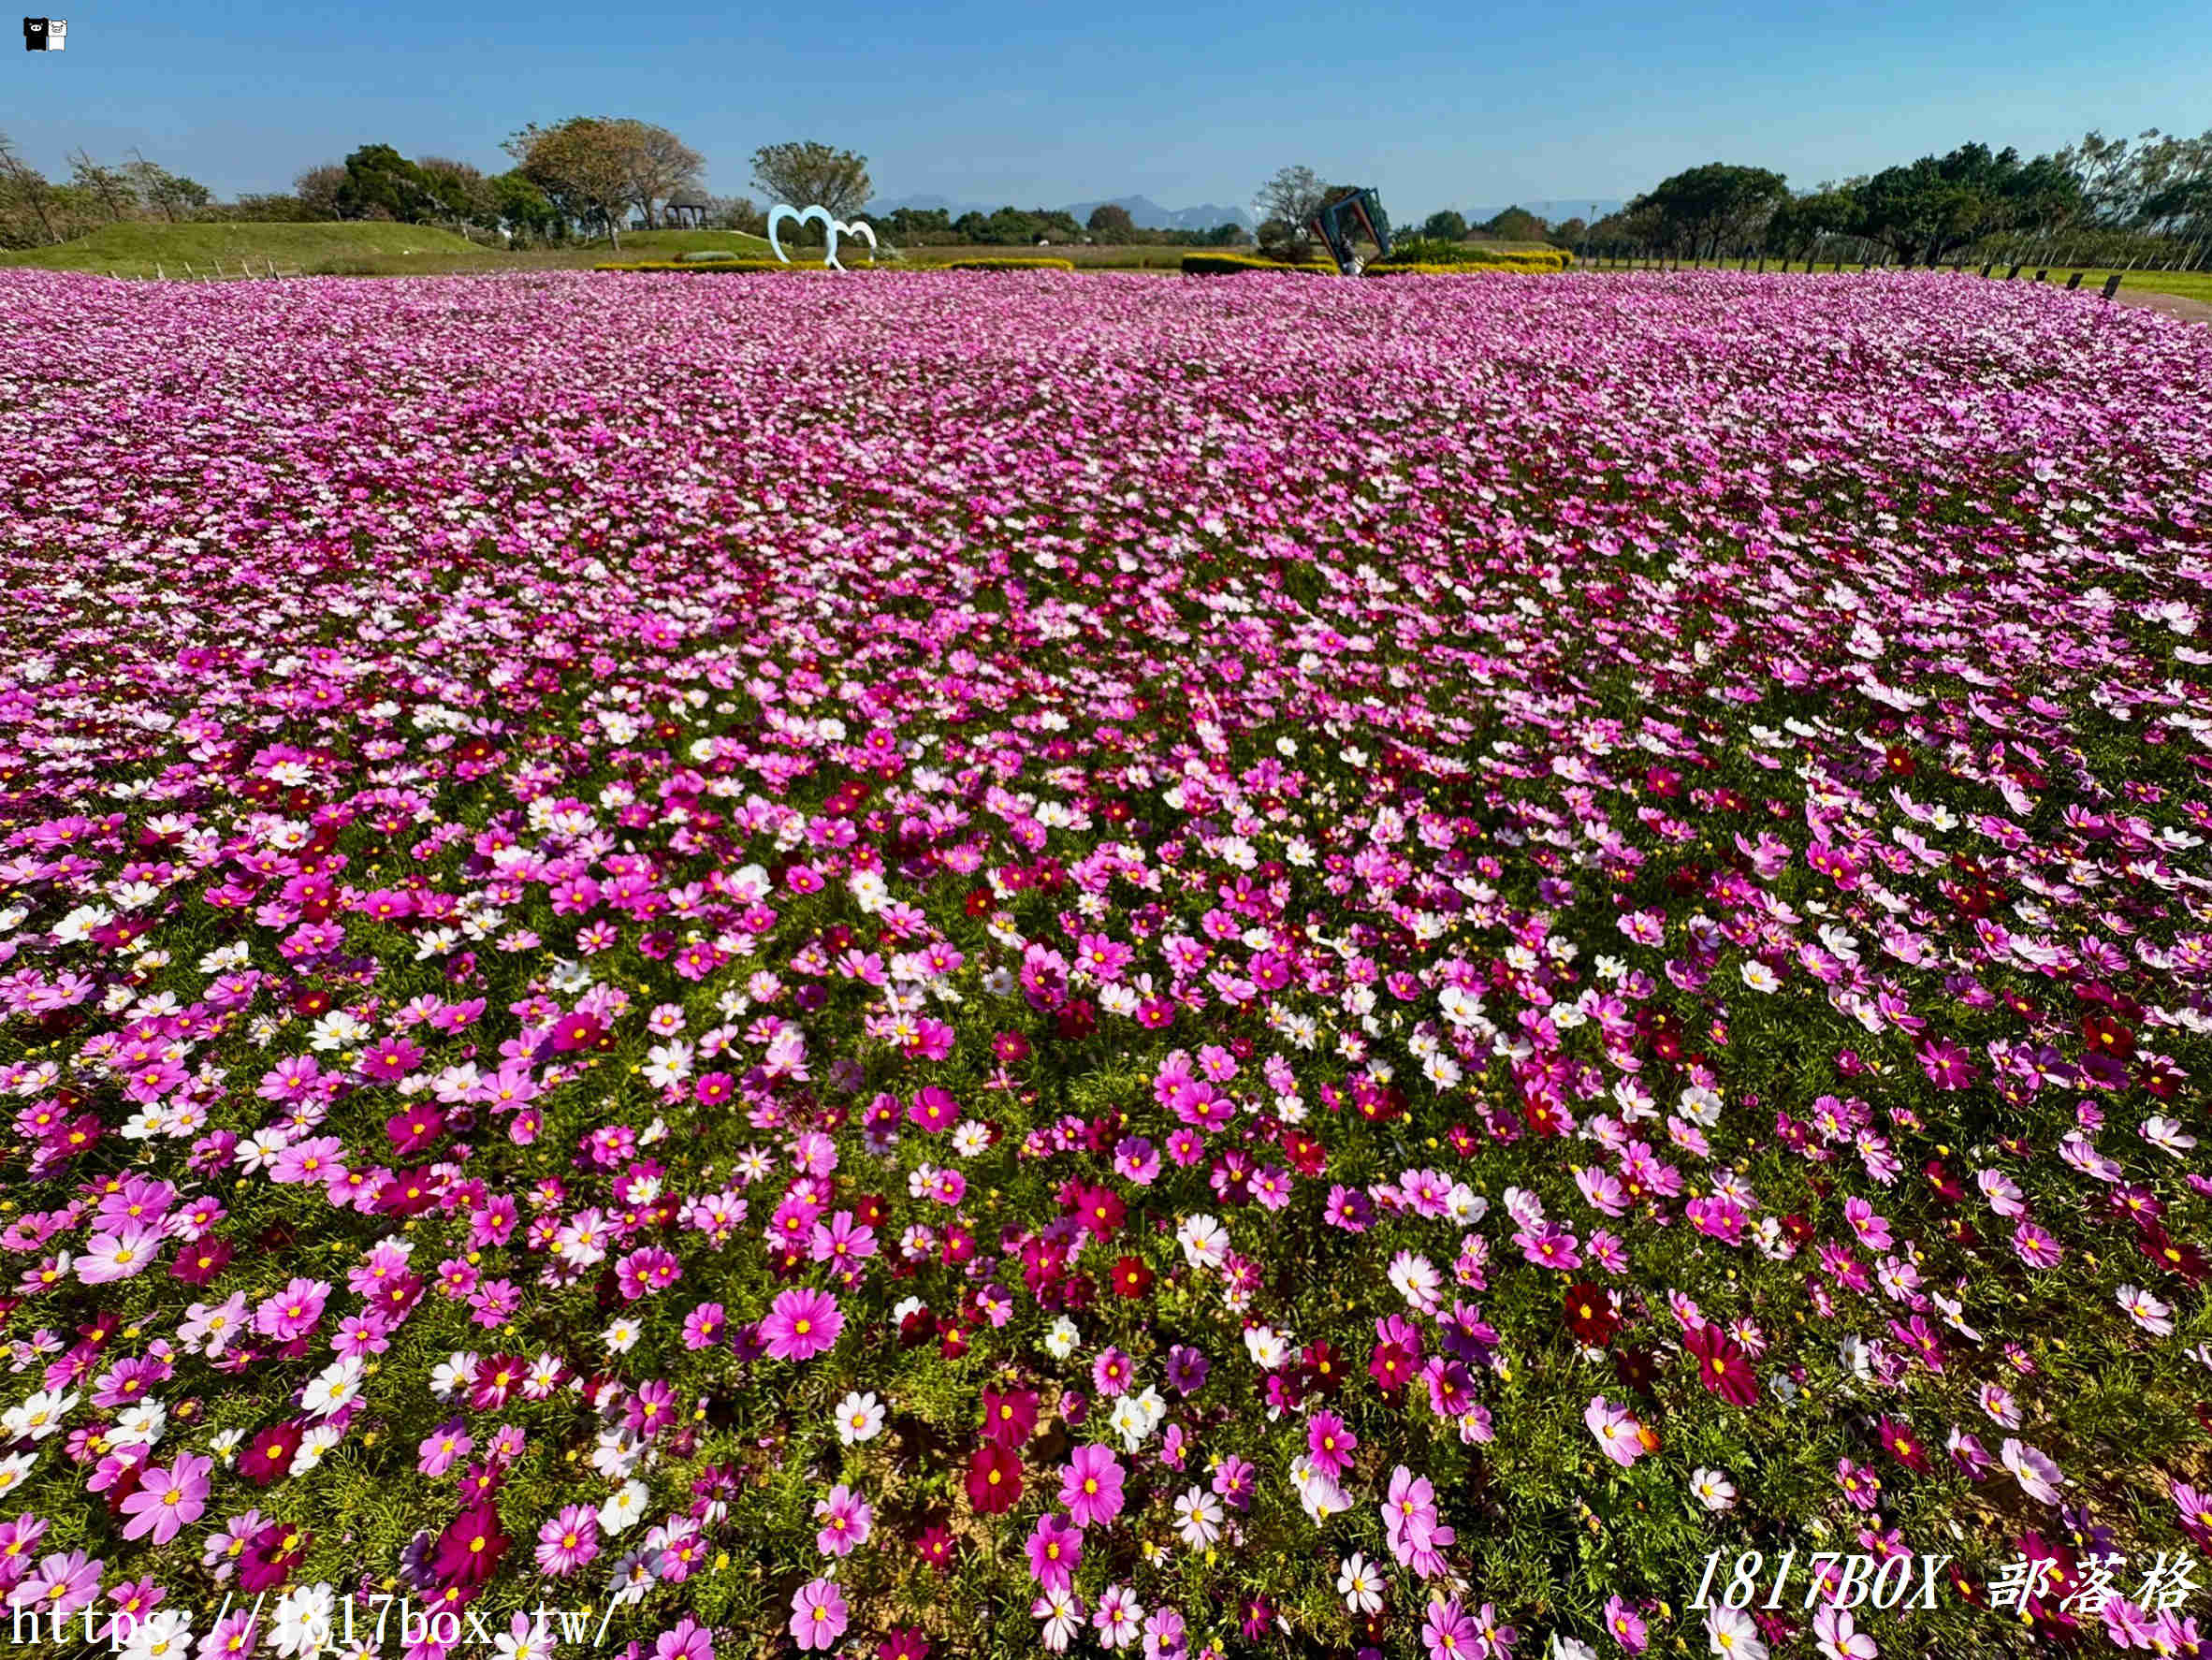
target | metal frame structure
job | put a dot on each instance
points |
(1359, 207)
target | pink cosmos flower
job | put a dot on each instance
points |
(845, 1518)
(801, 1324)
(1091, 1486)
(818, 1614)
(168, 1499)
(1619, 1436)
(568, 1541)
(1055, 1547)
(1329, 1444)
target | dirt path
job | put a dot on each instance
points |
(2173, 305)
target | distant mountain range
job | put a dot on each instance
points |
(1145, 214)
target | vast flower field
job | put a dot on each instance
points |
(962, 965)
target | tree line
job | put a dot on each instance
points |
(583, 178)
(2102, 201)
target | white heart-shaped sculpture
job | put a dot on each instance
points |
(832, 229)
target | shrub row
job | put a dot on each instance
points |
(992, 262)
(1457, 269)
(1214, 265)
(1425, 252)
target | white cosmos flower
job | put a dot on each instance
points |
(1267, 1347)
(622, 1511)
(39, 1417)
(1198, 1518)
(1362, 1584)
(2145, 1310)
(860, 1417)
(1713, 1489)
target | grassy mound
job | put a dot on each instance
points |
(129, 245)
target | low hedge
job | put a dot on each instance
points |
(1218, 265)
(1006, 263)
(1459, 269)
(1424, 251)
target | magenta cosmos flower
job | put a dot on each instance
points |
(1090, 1486)
(818, 1614)
(1055, 1549)
(801, 1324)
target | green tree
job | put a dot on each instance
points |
(170, 194)
(1514, 224)
(1927, 208)
(1706, 207)
(110, 187)
(801, 173)
(1799, 224)
(1110, 220)
(521, 209)
(1444, 226)
(381, 184)
(458, 192)
(24, 195)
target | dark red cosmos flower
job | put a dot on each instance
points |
(936, 1547)
(980, 901)
(1100, 1210)
(1307, 1155)
(1009, 1419)
(409, 1193)
(1131, 1277)
(994, 1479)
(1903, 1446)
(200, 1262)
(1322, 1368)
(903, 1642)
(1392, 1367)
(471, 1546)
(1590, 1315)
(268, 1454)
(414, 1129)
(497, 1377)
(1721, 1365)
(270, 1555)
(2105, 1035)
(2187, 1260)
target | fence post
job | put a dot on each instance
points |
(2112, 284)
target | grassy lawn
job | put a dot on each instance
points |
(140, 248)
(2189, 284)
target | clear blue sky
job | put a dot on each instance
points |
(1186, 101)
